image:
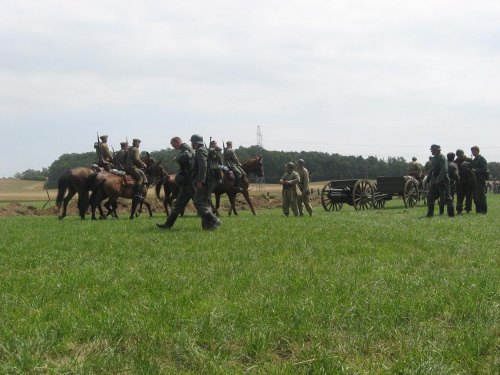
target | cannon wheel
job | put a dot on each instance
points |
(327, 202)
(411, 194)
(379, 203)
(363, 195)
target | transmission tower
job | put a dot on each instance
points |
(261, 181)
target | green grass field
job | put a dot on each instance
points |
(341, 292)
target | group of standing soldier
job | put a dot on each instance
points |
(296, 191)
(465, 176)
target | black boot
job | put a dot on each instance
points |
(237, 183)
(212, 223)
(451, 211)
(170, 221)
(430, 211)
(137, 191)
(441, 210)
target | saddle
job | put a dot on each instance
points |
(229, 175)
(128, 180)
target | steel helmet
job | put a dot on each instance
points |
(196, 138)
(289, 165)
(300, 161)
(460, 152)
(435, 148)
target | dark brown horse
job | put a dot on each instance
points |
(170, 189)
(72, 181)
(251, 166)
(108, 185)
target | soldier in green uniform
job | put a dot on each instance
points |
(133, 164)
(121, 157)
(453, 177)
(215, 161)
(234, 165)
(195, 183)
(303, 184)
(106, 159)
(439, 182)
(479, 166)
(415, 169)
(290, 191)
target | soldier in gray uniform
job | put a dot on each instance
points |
(439, 182)
(290, 191)
(479, 166)
(453, 176)
(193, 182)
(303, 197)
(465, 186)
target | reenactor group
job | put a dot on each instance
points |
(296, 190)
(450, 175)
(200, 171)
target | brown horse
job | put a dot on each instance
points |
(72, 181)
(251, 166)
(106, 184)
(170, 189)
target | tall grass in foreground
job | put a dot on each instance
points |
(355, 292)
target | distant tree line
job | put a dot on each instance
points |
(321, 165)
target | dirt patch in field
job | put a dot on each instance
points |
(124, 206)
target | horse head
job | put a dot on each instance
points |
(254, 165)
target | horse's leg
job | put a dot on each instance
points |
(148, 207)
(167, 201)
(232, 199)
(247, 198)
(217, 204)
(71, 194)
(135, 202)
(108, 207)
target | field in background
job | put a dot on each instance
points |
(379, 291)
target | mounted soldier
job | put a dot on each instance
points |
(234, 165)
(215, 161)
(134, 166)
(121, 157)
(104, 159)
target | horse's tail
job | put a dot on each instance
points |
(87, 185)
(62, 187)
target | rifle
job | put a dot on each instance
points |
(100, 160)
(224, 150)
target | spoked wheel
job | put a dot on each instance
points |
(379, 203)
(363, 195)
(327, 201)
(411, 194)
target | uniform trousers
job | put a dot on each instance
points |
(441, 191)
(480, 199)
(303, 199)
(290, 201)
(464, 191)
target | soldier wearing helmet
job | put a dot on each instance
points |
(439, 182)
(290, 191)
(134, 166)
(465, 185)
(453, 177)
(303, 197)
(121, 157)
(479, 166)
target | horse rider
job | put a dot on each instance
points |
(290, 190)
(428, 166)
(105, 159)
(415, 169)
(195, 183)
(303, 184)
(134, 166)
(234, 165)
(121, 156)
(453, 176)
(439, 182)
(479, 166)
(465, 186)
(215, 160)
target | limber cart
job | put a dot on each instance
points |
(365, 195)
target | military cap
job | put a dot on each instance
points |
(460, 152)
(414, 158)
(213, 142)
(289, 165)
(123, 144)
(196, 138)
(103, 137)
(229, 143)
(474, 148)
(300, 161)
(435, 147)
(136, 140)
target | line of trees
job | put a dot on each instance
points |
(321, 165)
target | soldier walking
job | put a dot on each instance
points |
(479, 166)
(303, 184)
(439, 182)
(453, 177)
(290, 191)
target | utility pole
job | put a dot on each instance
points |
(261, 181)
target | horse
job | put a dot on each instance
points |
(250, 166)
(170, 189)
(106, 184)
(72, 181)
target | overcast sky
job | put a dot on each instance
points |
(354, 77)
